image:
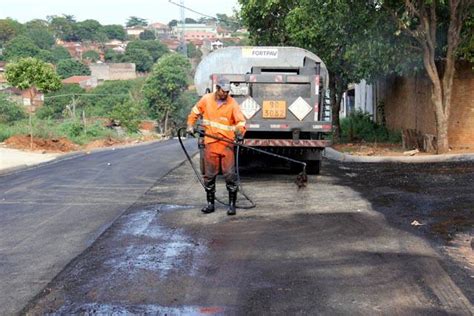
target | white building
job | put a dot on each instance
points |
(358, 96)
(176, 30)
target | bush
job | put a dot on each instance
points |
(129, 114)
(41, 129)
(7, 130)
(360, 127)
(105, 97)
(71, 67)
(91, 55)
(80, 134)
(72, 129)
(55, 102)
(10, 111)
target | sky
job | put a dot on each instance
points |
(112, 11)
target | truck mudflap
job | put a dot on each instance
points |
(287, 142)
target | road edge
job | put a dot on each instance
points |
(332, 154)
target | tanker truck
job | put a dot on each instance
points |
(282, 93)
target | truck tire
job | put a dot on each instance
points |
(313, 166)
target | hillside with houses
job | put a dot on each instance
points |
(103, 69)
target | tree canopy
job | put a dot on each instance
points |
(19, 47)
(115, 31)
(31, 72)
(147, 35)
(155, 48)
(71, 67)
(167, 81)
(136, 21)
(9, 28)
(141, 58)
(350, 37)
(441, 31)
(91, 55)
(63, 27)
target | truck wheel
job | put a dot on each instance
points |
(313, 166)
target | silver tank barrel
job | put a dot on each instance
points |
(240, 60)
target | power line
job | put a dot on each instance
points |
(203, 14)
(189, 9)
(85, 95)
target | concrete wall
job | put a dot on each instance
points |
(113, 71)
(461, 125)
(408, 106)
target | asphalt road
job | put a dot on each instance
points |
(51, 214)
(344, 245)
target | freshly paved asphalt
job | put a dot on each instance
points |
(343, 245)
(52, 213)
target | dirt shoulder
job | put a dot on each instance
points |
(387, 150)
(20, 151)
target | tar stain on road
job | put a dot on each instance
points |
(153, 246)
(139, 252)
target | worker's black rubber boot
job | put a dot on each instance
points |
(210, 203)
(232, 199)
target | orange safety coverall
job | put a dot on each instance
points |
(221, 120)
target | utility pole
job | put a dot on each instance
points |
(184, 47)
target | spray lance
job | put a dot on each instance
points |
(301, 179)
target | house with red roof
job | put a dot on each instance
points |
(85, 82)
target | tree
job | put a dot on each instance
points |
(141, 58)
(189, 21)
(9, 29)
(111, 56)
(147, 35)
(31, 72)
(128, 114)
(115, 31)
(193, 51)
(20, 47)
(166, 83)
(266, 20)
(37, 24)
(63, 27)
(349, 36)
(40, 34)
(91, 55)
(136, 21)
(155, 48)
(46, 56)
(172, 23)
(71, 67)
(60, 53)
(437, 28)
(106, 96)
(90, 30)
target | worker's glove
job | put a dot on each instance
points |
(190, 130)
(239, 139)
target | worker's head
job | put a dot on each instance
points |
(223, 89)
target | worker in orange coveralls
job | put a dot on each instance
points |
(221, 116)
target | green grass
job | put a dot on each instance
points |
(71, 129)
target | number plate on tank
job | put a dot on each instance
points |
(274, 109)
